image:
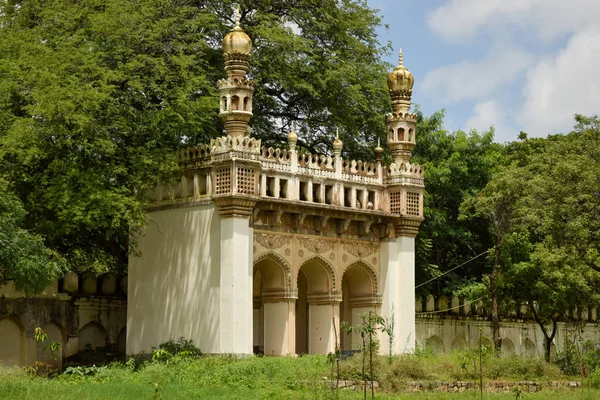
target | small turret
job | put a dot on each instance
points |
(236, 91)
(401, 125)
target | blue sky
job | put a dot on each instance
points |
(517, 65)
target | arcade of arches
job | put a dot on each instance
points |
(304, 287)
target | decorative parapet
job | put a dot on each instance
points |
(399, 115)
(229, 147)
(238, 165)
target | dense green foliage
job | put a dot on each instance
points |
(96, 96)
(23, 257)
(543, 206)
(457, 166)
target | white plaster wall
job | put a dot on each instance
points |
(173, 286)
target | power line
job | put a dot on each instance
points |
(447, 272)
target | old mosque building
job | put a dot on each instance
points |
(262, 249)
(255, 249)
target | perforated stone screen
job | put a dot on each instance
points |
(245, 180)
(395, 202)
(223, 181)
(412, 203)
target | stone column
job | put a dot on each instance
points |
(398, 292)
(235, 299)
(279, 326)
(323, 318)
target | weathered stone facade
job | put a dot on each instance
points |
(80, 312)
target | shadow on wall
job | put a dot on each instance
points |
(174, 284)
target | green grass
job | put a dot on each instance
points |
(277, 378)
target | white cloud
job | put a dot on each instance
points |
(459, 20)
(563, 85)
(476, 79)
(557, 82)
(490, 113)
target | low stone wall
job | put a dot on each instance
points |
(491, 386)
(444, 333)
(80, 312)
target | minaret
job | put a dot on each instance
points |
(235, 92)
(401, 125)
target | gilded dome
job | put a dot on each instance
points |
(400, 79)
(237, 41)
(337, 143)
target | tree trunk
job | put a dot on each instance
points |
(494, 295)
(548, 338)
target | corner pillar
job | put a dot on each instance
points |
(398, 290)
(235, 298)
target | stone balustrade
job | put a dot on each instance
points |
(459, 306)
(239, 165)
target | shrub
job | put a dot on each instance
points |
(174, 350)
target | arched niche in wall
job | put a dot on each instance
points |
(435, 344)
(11, 343)
(528, 348)
(459, 343)
(507, 347)
(92, 336)
(55, 334)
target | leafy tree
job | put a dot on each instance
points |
(95, 97)
(542, 208)
(457, 166)
(23, 257)
(495, 204)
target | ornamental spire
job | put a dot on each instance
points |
(236, 91)
(401, 124)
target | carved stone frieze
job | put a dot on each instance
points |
(360, 250)
(271, 242)
(317, 246)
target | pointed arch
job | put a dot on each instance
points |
(311, 267)
(12, 338)
(459, 343)
(278, 260)
(92, 336)
(435, 344)
(367, 272)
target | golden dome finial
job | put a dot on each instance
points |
(400, 83)
(292, 137)
(237, 41)
(378, 151)
(337, 143)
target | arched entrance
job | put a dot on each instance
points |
(274, 306)
(359, 296)
(317, 308)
